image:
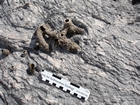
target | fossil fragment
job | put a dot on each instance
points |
(68, 44)
(62, 34)
(5, 52)
(60, 38)
(72, 29)
(39, 34)
(63, 41)
(31, 69)
(47, 30)
(24, 53)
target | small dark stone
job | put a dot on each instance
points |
(37, 47)
(135, 2)
(1, 2)
(138, 67)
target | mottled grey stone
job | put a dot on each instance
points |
(108, 63)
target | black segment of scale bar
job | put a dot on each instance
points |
(61, 87)
(75, 94)
(68, 91)
(74, 85)
(54, 84)
(82, 98)
(56, 76)
(47, 80)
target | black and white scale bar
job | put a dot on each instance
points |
(65, 85)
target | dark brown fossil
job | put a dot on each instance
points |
(72, 29)
(60, 38)
(63, 41)
(31, 69)
(23, 54)
(39, 35)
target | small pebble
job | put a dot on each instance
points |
(5, 52)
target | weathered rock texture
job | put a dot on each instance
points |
(108, 63)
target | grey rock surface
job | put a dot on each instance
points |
(108, 63)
